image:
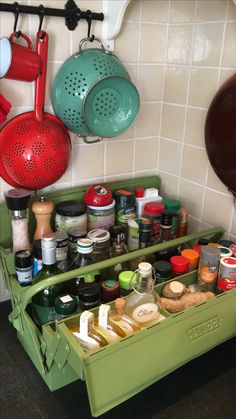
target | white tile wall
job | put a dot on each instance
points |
(178, 53)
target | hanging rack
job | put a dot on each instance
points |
(71, 12)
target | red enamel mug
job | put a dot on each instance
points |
(17, 61)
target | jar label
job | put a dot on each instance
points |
(145, 313)
(125, 214)
(24, 275)
(225, 284)
(208, 274)
(127, 329)
(87, 343)
(100, 221)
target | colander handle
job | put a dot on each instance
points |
(88, 40)
(92, 141)
(40, 84)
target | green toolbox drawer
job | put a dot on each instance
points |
(120, 370)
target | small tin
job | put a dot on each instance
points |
(24, 267)
(227, 274)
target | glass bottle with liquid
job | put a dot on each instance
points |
(83, 258)
(118, 248)
(89, 339)
(143, 304)
(43, 303)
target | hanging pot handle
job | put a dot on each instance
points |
(88, 40)
(92, 141)
(40, 84)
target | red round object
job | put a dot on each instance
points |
(34, 154)
(197, 248)
(153, 208)
(180, 264)
(98, 195)
(139, 192)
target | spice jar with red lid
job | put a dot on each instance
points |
(180, 265)
(152, 211)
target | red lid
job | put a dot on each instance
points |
(139, 192)
(154, 208)
(197, 248)
(98, 195)
(179, 264)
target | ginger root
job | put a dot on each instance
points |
(188, 299)
(174, 289)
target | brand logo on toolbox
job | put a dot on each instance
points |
(202, 329)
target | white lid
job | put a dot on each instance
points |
(84, 246)
(5, 56)
(48, 241)
(150, 192)
(98, 235)
(228, 261)
(144, 268)
(106, 207)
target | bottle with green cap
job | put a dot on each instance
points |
(65, 305)
(125, 282)
(83, 258)
(110, 290)
(172, 206)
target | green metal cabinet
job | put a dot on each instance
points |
(120, 370)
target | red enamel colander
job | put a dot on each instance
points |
(35, 146)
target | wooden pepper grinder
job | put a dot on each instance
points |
(42, 210)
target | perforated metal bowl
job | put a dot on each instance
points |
(77, 77)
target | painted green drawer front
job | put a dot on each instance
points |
(123, 369)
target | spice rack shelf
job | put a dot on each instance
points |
(112, 374)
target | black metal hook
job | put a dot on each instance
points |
(41, 17)
(89, 21)
(16, 16)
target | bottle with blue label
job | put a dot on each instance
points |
(24, 267)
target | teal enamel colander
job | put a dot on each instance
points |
(93, 95)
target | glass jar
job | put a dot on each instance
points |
(70, 214)
(89, 296)
(101, 244)
(101, 217)
(125, 207)
(180, 265)
(74, 234)
(208, 268)
(163, 270)
(65, 305)
(193, 258)
(152, 211)
(172, 206)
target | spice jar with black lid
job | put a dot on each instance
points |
(24, 267)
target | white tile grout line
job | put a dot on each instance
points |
(137, 78)
(163, 87)
(187, 99)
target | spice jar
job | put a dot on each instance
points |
(208, 268)
(125, 206)
(183, 223)
(24, 267)
(110, 290)
(101, 244)
(172, 206)
(70, 214)
(152, 211)
(193, 258)
(101, 217)
(65, 306)
(227, 274)
(17, 201)
(180, 265)
(163, 270)
(89, 296)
